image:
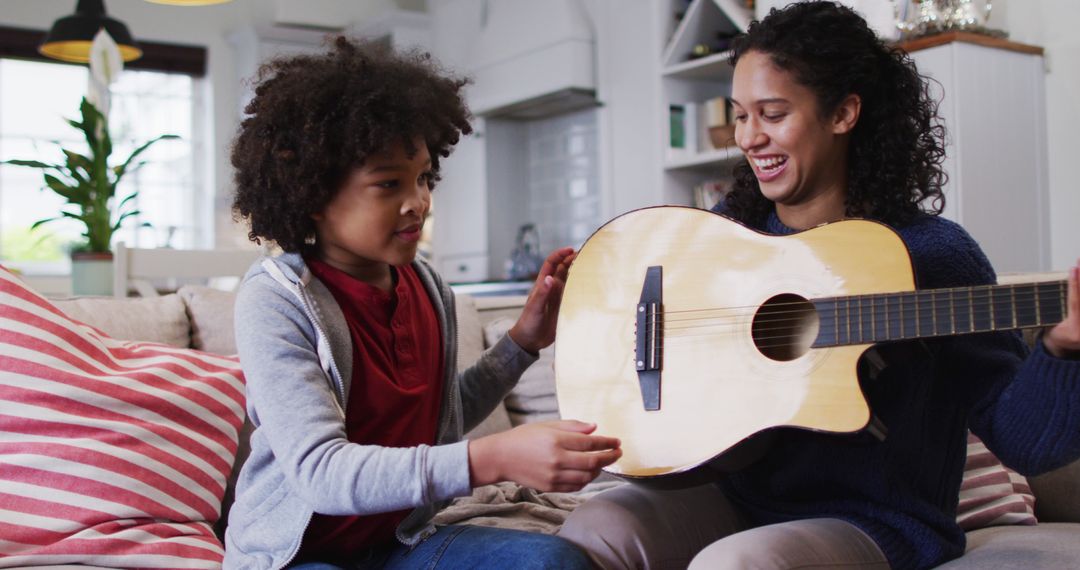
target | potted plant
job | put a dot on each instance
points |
(88, 183)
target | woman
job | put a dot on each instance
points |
(834, 124)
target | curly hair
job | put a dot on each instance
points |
(315, 118)
(897, 146)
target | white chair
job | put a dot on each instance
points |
(140, 268)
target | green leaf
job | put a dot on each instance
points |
(70, 193)
(73, 216)
(35, 225)
(128, 170)
(125, 216)
(129, 198)
(76, 161)
(32, 164)
(103, 140)
(123, 168)
(91, 118)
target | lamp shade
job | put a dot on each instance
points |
(189, 2)
(70, 37)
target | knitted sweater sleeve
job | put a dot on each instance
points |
(1025, 407)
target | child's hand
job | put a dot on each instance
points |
(535, 328)
(1063, 340)
(548, 456)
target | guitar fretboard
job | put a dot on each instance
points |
(864, 319)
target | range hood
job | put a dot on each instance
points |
(533, 59)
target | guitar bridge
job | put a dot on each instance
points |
(649, 337)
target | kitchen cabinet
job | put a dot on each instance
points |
(993, 104)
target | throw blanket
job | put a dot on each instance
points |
(509, 505)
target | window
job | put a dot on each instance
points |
(36, 96)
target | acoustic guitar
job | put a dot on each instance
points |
(686, 334)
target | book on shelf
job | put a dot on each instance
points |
(692, 126)
(697, 127)
(710, 192)
(676, 129)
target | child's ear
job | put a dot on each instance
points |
(318, 216)
(847, 114)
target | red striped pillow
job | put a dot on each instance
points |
(990, 493)
(112, 453)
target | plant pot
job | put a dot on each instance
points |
(92, 273)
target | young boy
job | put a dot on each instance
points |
(348, 341)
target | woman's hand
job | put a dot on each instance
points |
(535, 328)
(548, 456)
(1063, 340)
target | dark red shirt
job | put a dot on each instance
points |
(395, 394)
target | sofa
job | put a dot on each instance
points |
(198, 320)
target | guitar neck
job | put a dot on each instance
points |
(866, 319)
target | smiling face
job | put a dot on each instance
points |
(798, 152)
(375, 219)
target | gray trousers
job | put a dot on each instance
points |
(633, 527)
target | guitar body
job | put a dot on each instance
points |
(722, 381)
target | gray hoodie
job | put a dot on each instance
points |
(296, 353)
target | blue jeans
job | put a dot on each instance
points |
(465, 546)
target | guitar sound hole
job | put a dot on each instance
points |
(785, 327)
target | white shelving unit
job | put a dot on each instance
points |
(694, 80)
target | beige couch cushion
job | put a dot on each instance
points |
(154, 319)
(1058, 494)
(533, 399)
(469, 330)
(470, 347)
(211, 313)
(1044, 546)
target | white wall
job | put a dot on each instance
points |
(628, 129)
(208, 26)
(1052, 25)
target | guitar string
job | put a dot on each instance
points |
(853, 315)
(987, 301)
(772, 321)
(1022, 300)
(787, 336)
(850, 312)
(783, 341)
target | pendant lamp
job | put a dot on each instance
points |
(189, 2)
(71, 36)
